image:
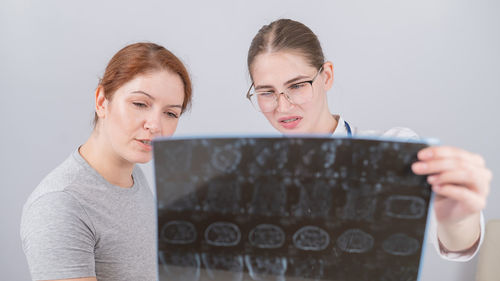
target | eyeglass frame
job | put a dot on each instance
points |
(286, 96)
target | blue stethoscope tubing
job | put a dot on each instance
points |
(348, 128)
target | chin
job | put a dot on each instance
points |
(293, 131)
(141, 158)
(143, 161)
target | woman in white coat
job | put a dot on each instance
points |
(290, 80)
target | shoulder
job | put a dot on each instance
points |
(56, 204)
(400, 132)
(51, 203)
(396, 132)
(52, 214)
(69, 173)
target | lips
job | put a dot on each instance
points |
(290, 122)
(145, 144)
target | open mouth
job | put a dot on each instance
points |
(290, 120)
(146, 142)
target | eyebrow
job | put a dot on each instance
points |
(151, 97)
(300, 77)
(144, 93)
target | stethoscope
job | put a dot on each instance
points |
(348, 128)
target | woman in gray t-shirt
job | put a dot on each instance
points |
(93, 217)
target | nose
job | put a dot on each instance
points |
(284, 103)
(152, 124)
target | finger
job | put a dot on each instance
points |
(441, 152)
(470, 200)
(437, 166)
(462, 173)
(473, 178)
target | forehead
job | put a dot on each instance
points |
(162, 85)
(278, 67)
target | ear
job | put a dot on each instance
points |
(101, 103)
(328, 74)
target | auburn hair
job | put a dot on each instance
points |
(140, 58)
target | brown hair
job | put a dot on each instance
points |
(286, 35)
(141, 58)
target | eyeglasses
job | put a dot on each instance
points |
(297, 93)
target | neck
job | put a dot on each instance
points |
(113, 168)
(327, 124)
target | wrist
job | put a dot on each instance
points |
(460, 236)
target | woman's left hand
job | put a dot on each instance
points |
(459, 178)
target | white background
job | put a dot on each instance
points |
(430, 65)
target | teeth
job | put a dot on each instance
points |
(290, 120)
(146, 142)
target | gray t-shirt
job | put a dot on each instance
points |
(76, 224)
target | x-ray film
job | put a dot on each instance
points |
(289, 208)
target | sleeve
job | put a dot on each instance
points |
(462, 256)
(58, 238)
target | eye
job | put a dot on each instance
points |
(265, 94)
(140, 104)
(172, 114)
(297, 85)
